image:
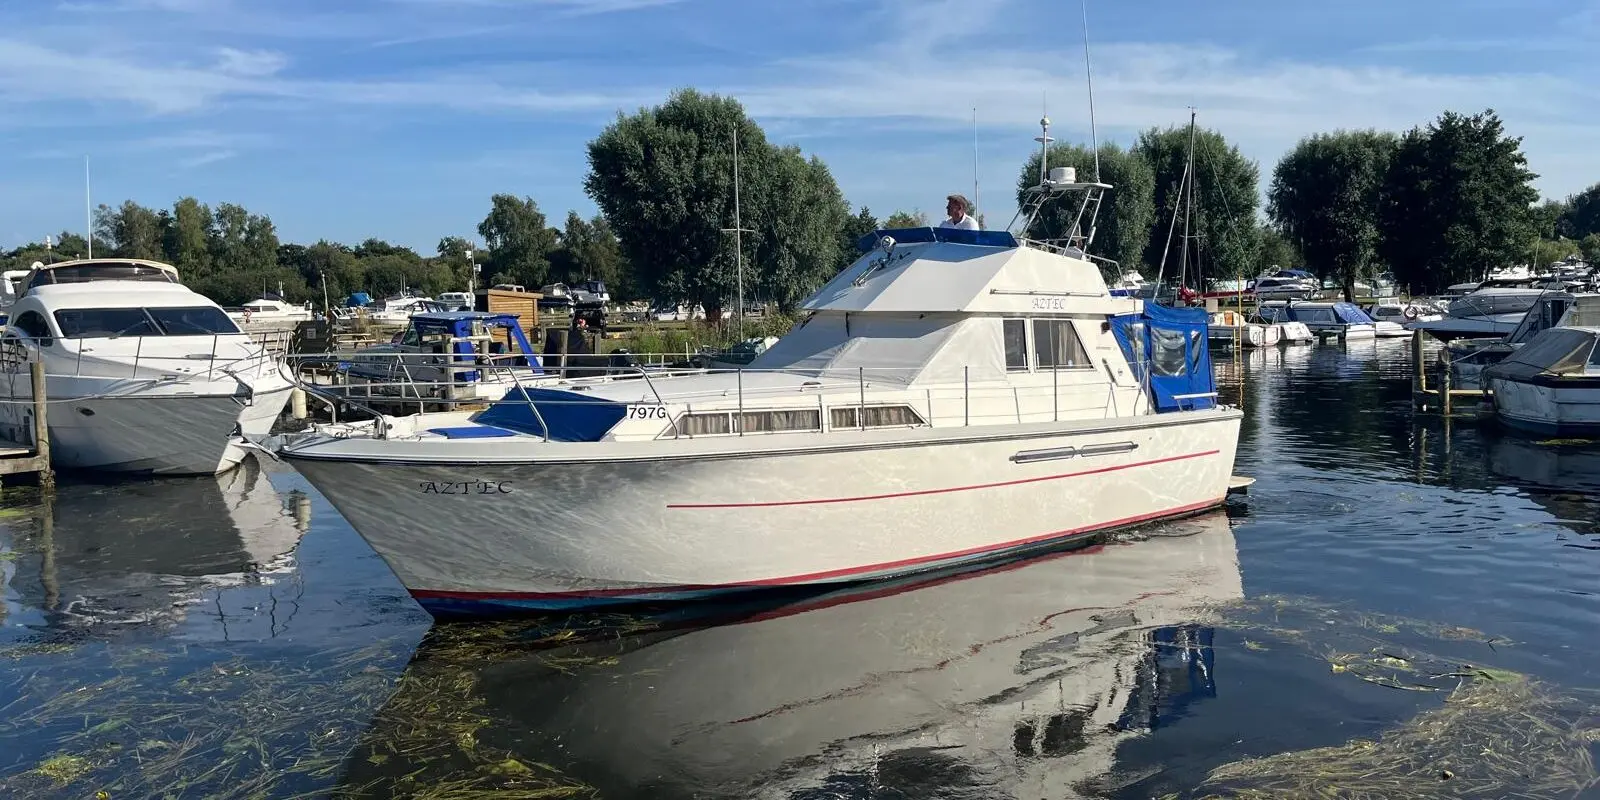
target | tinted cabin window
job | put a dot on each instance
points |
(1056, 344)
(95, 323)
(196, 321)
(773, 421)
(35, 326)
(1016, 339)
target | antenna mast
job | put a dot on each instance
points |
(88, 214)
(976, 203)
(1094, 138)
(737, 230)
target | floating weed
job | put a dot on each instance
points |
(151, 725)
(63, 769)
(1498, 734)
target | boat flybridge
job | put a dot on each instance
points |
(143, 374)
(952, 396)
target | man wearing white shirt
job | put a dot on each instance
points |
(956, 206)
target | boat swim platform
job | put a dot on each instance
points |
(1240, 484)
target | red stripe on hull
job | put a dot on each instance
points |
(923, 492)
(827, 575)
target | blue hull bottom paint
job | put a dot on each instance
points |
(675, 601)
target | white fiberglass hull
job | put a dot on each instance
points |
(1559, 407)
(540, 525)
(1247, 335)
(104, 424)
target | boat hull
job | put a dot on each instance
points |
(492, 539)
(183, 429)
(1548, 408)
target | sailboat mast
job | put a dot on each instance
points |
(1188, 207)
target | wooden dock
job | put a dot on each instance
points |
(1440, 396)
(20, 458)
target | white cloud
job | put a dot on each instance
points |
(250, 63)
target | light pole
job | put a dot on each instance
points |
(738, 230)
(472, 272)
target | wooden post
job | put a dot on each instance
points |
(1444, 387)
(41, 427)
(1419, 375)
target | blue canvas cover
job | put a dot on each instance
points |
(1351, 314)
(953, 235)
(572, 416)
(1167, 349)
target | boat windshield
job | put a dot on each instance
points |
(109, 271)
(100, 323)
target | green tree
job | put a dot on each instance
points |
(906, 219)
(797, 222)
(855, 226)
(1277, 251)
(1457, 202)
(1580, 214)
(188, 239)
(664, 179)
(1325, 196)
(588, 250)
(130, 230)
(1589, 247)
(452, 258)
(517, 238)
(1127, 213)
(1222, 223)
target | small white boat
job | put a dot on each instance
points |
(270, 309)
(143, 374)
(962, 395)
(1401, 312)
(1331, 320)
(1292, 332)
(1229, 327)
(1551, 385)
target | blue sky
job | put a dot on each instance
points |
(344, 119)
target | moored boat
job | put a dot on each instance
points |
(1550, 385)
(144, 375)
(953, 396)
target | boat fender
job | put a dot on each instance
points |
(1410, 312)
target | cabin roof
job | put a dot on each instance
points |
(991, 275)
(115, 294)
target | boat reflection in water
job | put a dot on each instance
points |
(1026, 675)
(147, 553)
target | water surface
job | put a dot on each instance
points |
(1403, 605)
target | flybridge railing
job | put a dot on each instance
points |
(982, 397)
(208, 357)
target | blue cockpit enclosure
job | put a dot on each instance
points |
(1167, 350)
(571, 416)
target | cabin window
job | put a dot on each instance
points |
(774, 421)
(1056, 344)
(1168, 355)
(97, 323)
(705, 424)
(1015, 332)
(195, 321)
(876, 417)
(34, 324)
(1594, 358)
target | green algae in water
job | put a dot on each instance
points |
(142, 727)
(1498, 734)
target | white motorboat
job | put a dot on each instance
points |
(1334, 320)
(450, 357)
(143, 374)
(1285, 284)
(1467, 358)
(1401, 312)
(271, 308)
(954, 396)
(1131, 284)
(1491, 310)
(1027, 677)
(1551, 385)
(1230, 327)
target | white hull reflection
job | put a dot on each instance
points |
(1025, 677)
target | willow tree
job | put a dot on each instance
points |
(1127, 211)
(1325, 197)
(664, 178)
(1222, 221)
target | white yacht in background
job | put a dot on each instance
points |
(143, 374)
(1229, 327)
(1337, 320)
(270, 309)
(1131, 284)
(1491, 310)
(1401, 312)
(961, 395)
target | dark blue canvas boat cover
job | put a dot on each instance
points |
(953, 235)
(1167, 349)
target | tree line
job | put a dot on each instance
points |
(1441, 204)
(1437, 205)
